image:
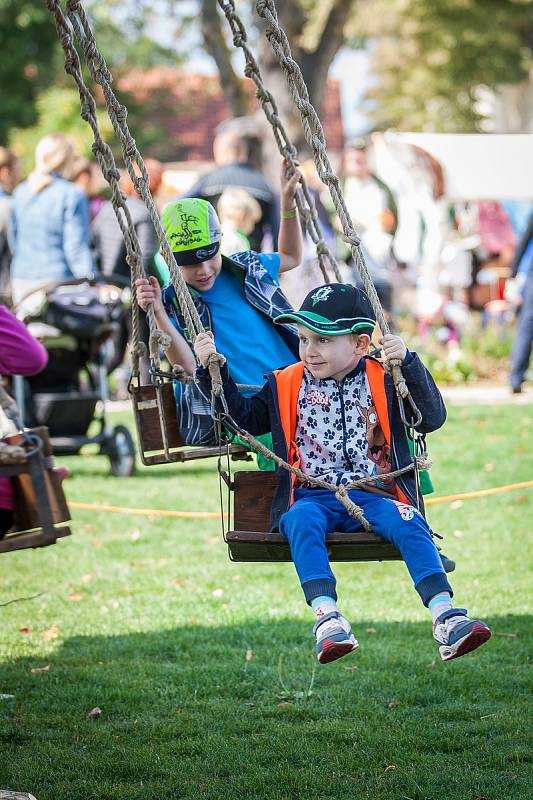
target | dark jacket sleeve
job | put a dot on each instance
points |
(250, 413)
(425, 394)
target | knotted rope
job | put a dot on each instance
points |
(314, 134)
(134, 163)
(304, 200)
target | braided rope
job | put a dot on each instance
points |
(314, 134)
(304, 200)
(136, 169)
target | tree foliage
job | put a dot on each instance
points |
(27, 45)
(430, 59)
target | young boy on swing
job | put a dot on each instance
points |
(237, 298)
(334, 414)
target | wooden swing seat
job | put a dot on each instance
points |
(253, 493)
(155, 412)
(40, 505)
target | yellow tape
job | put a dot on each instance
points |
(159, 512)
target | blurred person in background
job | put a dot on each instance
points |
(239, 213)
(49, 221)
(106, 236)
(9, 176)
(235, 150)
(296, 285)
(85, 176)
(374, 214)
(109, 247)
(520, 291)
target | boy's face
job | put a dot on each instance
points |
(203, 275)
(331, 356)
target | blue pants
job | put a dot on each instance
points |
(316, 512)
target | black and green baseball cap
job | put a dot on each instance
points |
(334, 309)
(193, 230)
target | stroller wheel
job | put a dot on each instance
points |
(121, 452)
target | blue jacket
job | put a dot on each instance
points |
(265, 412)
(50, 232)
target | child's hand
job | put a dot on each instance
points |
(288, 186)
(149, 291)
(393, 347)
(204, 346)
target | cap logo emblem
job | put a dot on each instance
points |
(321, 294)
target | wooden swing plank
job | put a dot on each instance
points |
(146, 401)
(252, 539)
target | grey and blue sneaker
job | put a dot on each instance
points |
(334, 637)
(457, 635)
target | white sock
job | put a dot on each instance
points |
(439, 604)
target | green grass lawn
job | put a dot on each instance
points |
(204, 670)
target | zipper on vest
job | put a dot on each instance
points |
(344, 431)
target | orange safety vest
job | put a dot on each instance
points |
(288, 383)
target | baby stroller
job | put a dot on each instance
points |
(83, 325)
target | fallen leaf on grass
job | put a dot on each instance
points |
(371, 631)
(488, 467)
(236, 578)
(94, 712)
(249, 655)
(39, 670)
(433, 663)
(50, 633)
(25, 629)
(391, 766)
(217, 592)
(7, 696)
(520, 498)
(88, 577)
(96, 542)
(177, 583)
(351, 669)
(214, 540)
(74, 597)
(393, 704)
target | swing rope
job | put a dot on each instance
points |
(314, 134)
(304, 200)
(117, 114)
(134, 163)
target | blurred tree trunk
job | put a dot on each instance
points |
(315, 38)
(216, 45)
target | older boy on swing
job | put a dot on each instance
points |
(237, 298)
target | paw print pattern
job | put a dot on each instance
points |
(333, 444)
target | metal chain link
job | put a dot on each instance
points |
(304, 200)
(314, 134)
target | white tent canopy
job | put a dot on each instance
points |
(477, 166)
